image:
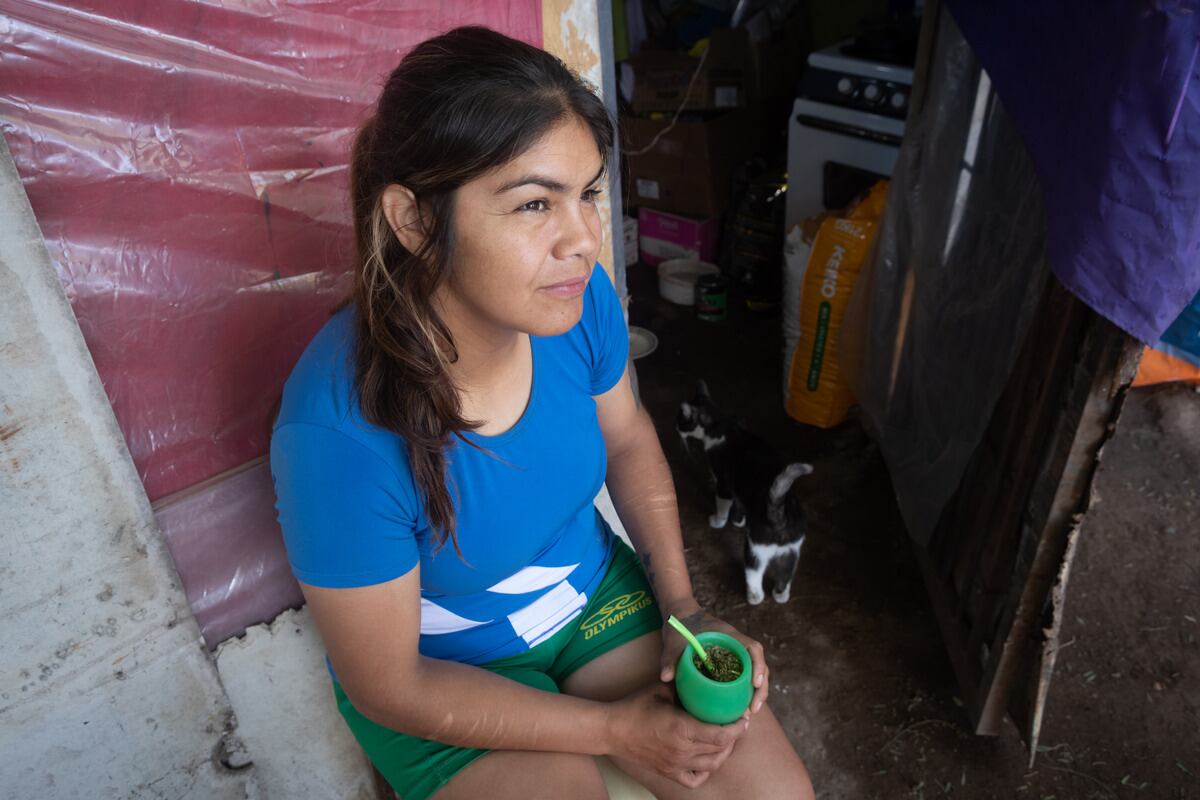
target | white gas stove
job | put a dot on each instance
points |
(846, 126)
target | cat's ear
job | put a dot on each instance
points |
(702, 390)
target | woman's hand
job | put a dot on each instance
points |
(697, 620)
(647, 728)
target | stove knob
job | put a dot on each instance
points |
(871, 92)
(845, 86)
(899, 100)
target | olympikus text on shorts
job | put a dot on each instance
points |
(613, 612)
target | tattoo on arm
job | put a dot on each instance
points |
(649, 570)
(697, 620)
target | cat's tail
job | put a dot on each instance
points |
(786, 478)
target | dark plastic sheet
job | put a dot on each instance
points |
(959, 265)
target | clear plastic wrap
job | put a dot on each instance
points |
(956, 273)
(228, 550)
(187, 162)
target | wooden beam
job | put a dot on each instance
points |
(1105, 365)
(1017, 511)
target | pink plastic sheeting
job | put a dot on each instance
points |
(187, 163)
(229, 552)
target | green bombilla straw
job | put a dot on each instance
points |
(692, 640)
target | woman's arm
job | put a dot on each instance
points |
(643, 493)
(371, 634)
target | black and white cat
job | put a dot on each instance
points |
(753, 488)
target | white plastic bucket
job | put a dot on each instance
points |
(677, 278)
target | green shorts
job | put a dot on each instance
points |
(621, 609)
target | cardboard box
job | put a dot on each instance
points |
(662, 235)
(689, 169)
(724, 81)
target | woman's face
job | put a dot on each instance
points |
(527, 235)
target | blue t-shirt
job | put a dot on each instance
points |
(534, 545)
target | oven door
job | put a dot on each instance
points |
(834, 153)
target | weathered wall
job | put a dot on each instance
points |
(105, 691)
(287, 718)
(571, 31)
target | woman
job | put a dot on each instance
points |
(441, 441)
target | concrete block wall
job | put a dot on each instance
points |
(105, 688)
(276, 678)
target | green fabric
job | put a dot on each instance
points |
(621, 609)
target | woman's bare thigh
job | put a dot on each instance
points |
(522, 775)
(518, 774)
(619, 672)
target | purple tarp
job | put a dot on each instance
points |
(1106, 95)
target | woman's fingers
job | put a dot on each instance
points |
(652, 731)
(670, 654)
(690, 779)
(709, 762)
(701, 767)
(673, 645)
(718, 736)
(761, 679)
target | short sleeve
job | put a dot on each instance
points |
(606, 331)
(347, 516)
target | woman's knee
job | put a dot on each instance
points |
(784, 777)
(768, 765)
(789, 778)
(803, 783)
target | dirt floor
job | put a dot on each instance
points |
(861, 680)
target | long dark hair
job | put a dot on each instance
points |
(458, 105)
